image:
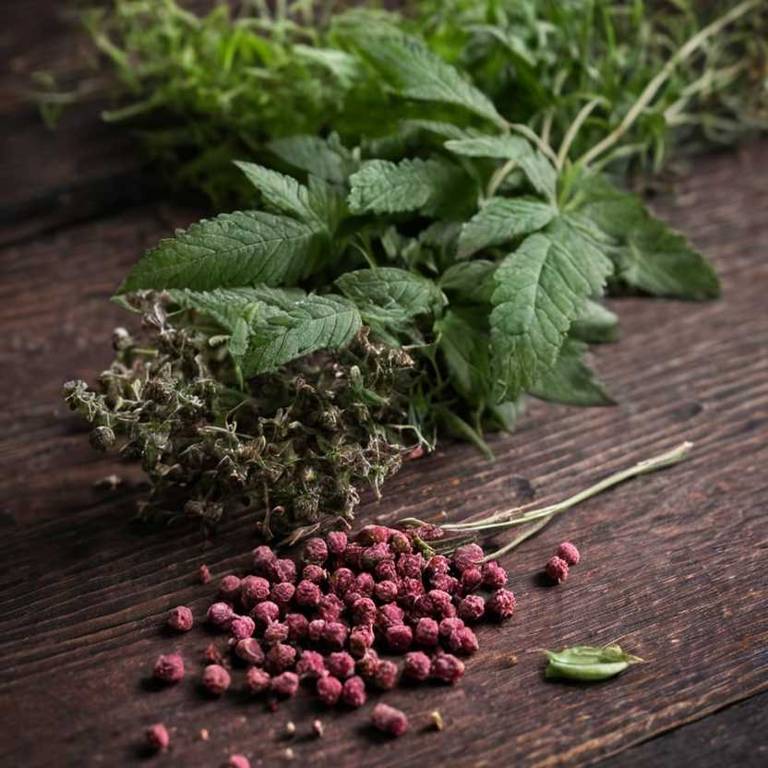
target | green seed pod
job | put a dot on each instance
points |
(588, 663)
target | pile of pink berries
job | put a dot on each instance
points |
(330, 620)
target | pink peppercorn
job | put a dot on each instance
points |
(471, 608)
(428, 532)
(298, 626)
(367, 665)
(353, 693)
(238, 761)
(229, 586)
(385, 676)
(307, 594)
(438, 564)
(445, 582)
(410, 565)
(467, 556)
(169, 668)
(241, 626)
(315, 551)
(389, 720)
(180, 618)
(263, 558)
(360, 640)
(351, 597)
(220, 614)
(157, 737)
(417, 666)
(329, 689)
(399, 638)
(280, 657)
(408, 591)
(265, 613)
(282, 593)
(374, 534)
(375, 554)
(494, 576)
(386, 570)
(313, 573)
(385, 591)
(204, 574)
(335, 634)
(364, 611)
(364, 584)
(257, 680)
(388, 615)
(340, 664)
(463, 641)
(353, 556)
(501, 604)
(283, 569)
(216, 679)
(341, 580)
(254, 589)
(330, 607)
(568, 552)
(337, 542)
(426, 632)
(400, 543)
(449, 625)
(442, 604)
(250, 651)
(471, 579)
(285, 684)
(276, 632)
(447, 668)
(311, 664)
(316, 629)
(556, 569)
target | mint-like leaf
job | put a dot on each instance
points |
(469, 281)
(595, 324)
(325, 158)
(281, 191)
(463, 341)
(233, 249)
(498, 147)
(502, 219)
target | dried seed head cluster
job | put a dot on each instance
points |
(295, 447)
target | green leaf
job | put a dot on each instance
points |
(502, 219)
(408, 67)
(460, 429)
(571, 380)
(470, 281)
(588, 663)
(410, 185)
(596, 324)
(281, 191)
(541, 174)
(541, 290)
(325, 158)
(463, 341)
(233, 249)
(498, 147)
(342, 65)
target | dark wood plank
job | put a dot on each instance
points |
(674, 563)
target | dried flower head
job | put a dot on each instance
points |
(169, 668)
(389, 720)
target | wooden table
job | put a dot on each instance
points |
(674, 564)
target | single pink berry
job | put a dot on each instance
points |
(365, 584)
(351, 597)
(385, 676)
(447, 583)
(283, 569)
(399, 638)
(410, 565)
(386, 570)
(329, 689)
(285, 684)
(471, 579)
(316, 629)
(157, 737)
(257, 680)
(471, 608)
(265, 613)
(353, 693)
(241, 626)
(315, 551)
(330, 607)
(298, 626)
(367, 665)
(220, 614)
(254, 589)
(307, 594)
(337, 542)
(374, 534)
(385, 591)
(341, 581)
(180, 618)
(442, 603)
(389, 720)
(314, 573)
(389, 615)
(276, 632)
(263, 558)
(340, 664)
(335, 634)
(364, 611)
(494, 576)
(417, 666)
(310, 665)
(568, 552)
(169, 668)
(409, 589)
(229, 586)
(463, 641)
(400, 544)
(250, 651)
(438, 564)
(556, 569)
(426, 632)
(280, 657)
(467, 556)
(238, 761)
(375, 554)
(360, 640)
(204, 574)
(282, 593)
(447, 668)
(216, 679)
(450, 624)
(501, 604)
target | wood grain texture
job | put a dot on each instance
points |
(674, 563)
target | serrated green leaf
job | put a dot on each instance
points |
(408, 67)
(342, 65)
(502, 219)
(410, 185)
(540, 173)
(571, 381)
(464, 342)
(281, 191)
(446, 130)
(596, 324)
(233, 249)
(325, 158)
(541, 290)
(497, 147)
(469, 281)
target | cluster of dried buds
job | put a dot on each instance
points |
(340, 620)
